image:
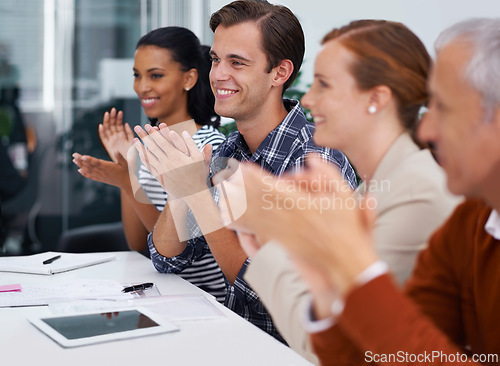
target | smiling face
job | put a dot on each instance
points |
(336, 103)
(159, 83)
(239, 77)
(466, 145)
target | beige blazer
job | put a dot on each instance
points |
(411, 202)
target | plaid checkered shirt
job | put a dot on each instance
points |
(283, 149)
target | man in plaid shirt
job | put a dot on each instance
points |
(257, 52)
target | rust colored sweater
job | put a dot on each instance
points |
(451, 309)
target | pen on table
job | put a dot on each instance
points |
(50, 260)
(140, 287)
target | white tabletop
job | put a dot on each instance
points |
(226, 341)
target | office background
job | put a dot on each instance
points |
(72, 60)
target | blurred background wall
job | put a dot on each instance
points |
(64, 62)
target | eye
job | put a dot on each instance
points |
(323, 84)
(136, 75)
(156, 76)
(237, 63)
(214, 60)
(436, 104)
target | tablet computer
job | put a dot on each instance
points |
(89, 328)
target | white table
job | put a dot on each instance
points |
(228, 341)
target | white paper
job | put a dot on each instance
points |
(81, 289)
(68, 261)
(182, 307)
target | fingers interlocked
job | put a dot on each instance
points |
(174, 161)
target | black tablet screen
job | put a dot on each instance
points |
(90, 325)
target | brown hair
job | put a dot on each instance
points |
(388, 53)
(282, 35)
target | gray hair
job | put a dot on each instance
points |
(483, 69)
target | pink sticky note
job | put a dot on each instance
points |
(10, 288)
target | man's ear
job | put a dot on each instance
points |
(282, 72)
(190, 78)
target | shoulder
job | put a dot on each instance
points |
(306, 145)
(406, 162)
(462, 230)
(418, 168)
(472, 214)
(417, 184)
(458, 241)
(419, 163)
(228, 145)
(418, 176)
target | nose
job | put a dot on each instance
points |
(141, 86)
(219, 72)
(306, 100)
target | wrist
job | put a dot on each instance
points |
(321, 306)
(120, 182)
(126, 186)
(313, 324)
(205, 210)
(360, 273)
(199, 201)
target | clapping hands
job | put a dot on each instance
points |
(116, 138)
(175, 161)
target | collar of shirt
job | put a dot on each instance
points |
(400, 150)
(492, 226)
(272, 152)
(278, 143)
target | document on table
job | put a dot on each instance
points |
(174, 308)
(78, 289)
(181, 307)
(56, 262)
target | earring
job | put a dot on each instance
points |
(186, 88)
(372, 109)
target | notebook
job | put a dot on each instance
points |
(66, 262)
